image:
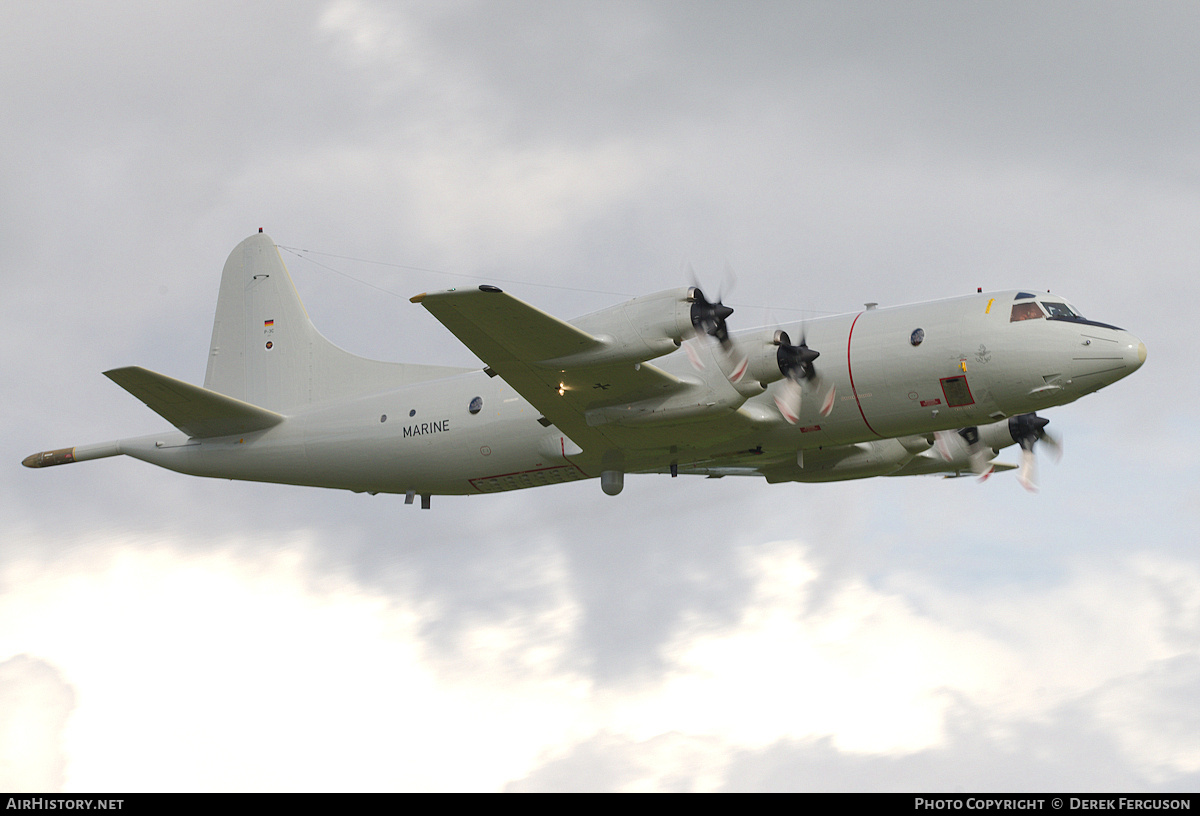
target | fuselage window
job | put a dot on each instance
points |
(476, 405)
(1025, 311)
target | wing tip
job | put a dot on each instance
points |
(486, 287)
(62, 456)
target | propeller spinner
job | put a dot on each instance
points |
(709, 318)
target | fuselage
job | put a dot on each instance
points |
(897, 372)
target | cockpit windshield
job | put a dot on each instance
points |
(1034, 310)
(1060, 310)
(1026, 311)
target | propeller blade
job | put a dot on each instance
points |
(981, 463)
(981, 455)
(949, 444)
(689, 347)
(739, 367)
(965, 443)
(788, 400)
(828, 395)
(1053, 443)
(1027, 475)
(729, 283)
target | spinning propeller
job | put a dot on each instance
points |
(1027, 430)
(796, 363)
(708, 318)
(953, 444)
(1024, 429)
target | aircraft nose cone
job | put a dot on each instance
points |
(1135, 354)
(1106, 357)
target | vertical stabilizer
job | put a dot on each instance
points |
(265, 350)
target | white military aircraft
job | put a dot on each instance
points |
(935, 387)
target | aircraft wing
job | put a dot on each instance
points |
(545, 359)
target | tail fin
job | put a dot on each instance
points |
(265, 350)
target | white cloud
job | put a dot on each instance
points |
(228, 670)
(223, 671)
(35, 703)
(863, 668)
(1112, 651)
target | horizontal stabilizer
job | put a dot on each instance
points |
(196, 411)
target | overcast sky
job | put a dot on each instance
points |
(162, 632)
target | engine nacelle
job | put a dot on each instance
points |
(675, 411)
(997, 435)
(903, 456)
(762, 356)
(954, 454)
(636, 330)
(881, 457)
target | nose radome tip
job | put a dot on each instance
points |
(1141, 352)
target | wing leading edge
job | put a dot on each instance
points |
(559, 368)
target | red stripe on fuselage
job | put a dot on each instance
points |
(850, 370)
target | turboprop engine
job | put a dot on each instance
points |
(636, 330)
(963, 452)
(973, 448)
(771, 356)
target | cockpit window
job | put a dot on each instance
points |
(1026, 311)
(1059, 310)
